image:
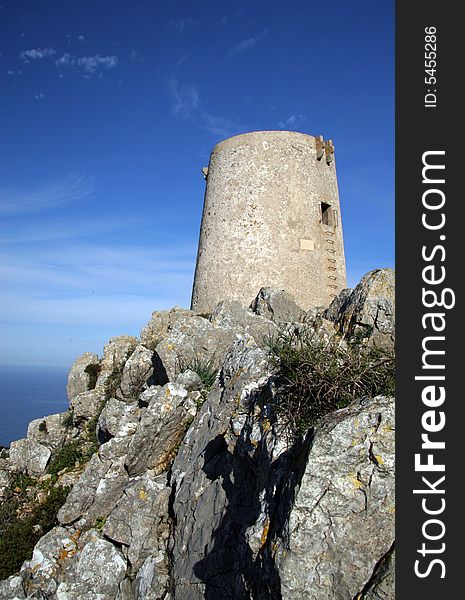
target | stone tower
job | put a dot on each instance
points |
(271, 217)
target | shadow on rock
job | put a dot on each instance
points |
(253, 485)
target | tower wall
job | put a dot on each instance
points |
(271, 217)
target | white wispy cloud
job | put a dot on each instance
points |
(292, 121)
(83, 283)
(90, 64)
(248, 43)
(186, 104)
(219, 126)
(71, 189)
(87, 65)
(39, 96)
(11, 72)
(182, 24)
(66, 60)
(51, 228)
(37, 54)
(185, 98)
(81, 38)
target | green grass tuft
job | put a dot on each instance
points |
(206, 368)
(317, 378)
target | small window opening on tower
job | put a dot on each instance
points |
(326, 214)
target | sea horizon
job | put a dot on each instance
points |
(28, 393)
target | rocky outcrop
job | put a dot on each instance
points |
(345, 499)
(98, 489)
(28, 456)
(136, 374)
(50, 431)
(82, 376)
(368, 312)
(161, 427)
(277, 305)
(87, 404)
(187, 482)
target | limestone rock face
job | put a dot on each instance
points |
(28, 456)
(118, 419)
(337, 306)
(115, 354)
(201, 491)
(231, 314)
(383, 585)
(136, 373)
(98, 489)
(162, 426)
(160, 324)
(87, 404)
(220, 450)
(345, 499)
(68, 566)
(12, 588)
(49, 431)
(97, 572)
(277, 305)
(79, 378)
(369, 311)
(193, 338)
(189, 380)
(140, 521)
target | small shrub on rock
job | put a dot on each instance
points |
(64, 458)
(21, 529)
(316, 378)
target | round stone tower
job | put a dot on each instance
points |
(271, 218)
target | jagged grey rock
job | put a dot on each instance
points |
(383, 585)
(151, 582)
(28, 456)
(125, 591)
(318, 330)
(49, 560)
(160, 324)
(97, 571)
(115, 354)
(369, 312)
(190, 339)
(337, 306)
(189, 380)
(231, 314)
(49, 431)
(162, 426)
(137, 372)
(99, 487)
(277, 305)
(87, 404)
(204, 478)
(345, 500)
(79, 379)
(117, 419)
(67, 566)
(140, 521)
(12, 588)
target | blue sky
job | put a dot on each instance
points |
(110, 110)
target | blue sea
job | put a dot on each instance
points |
(28, 393)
